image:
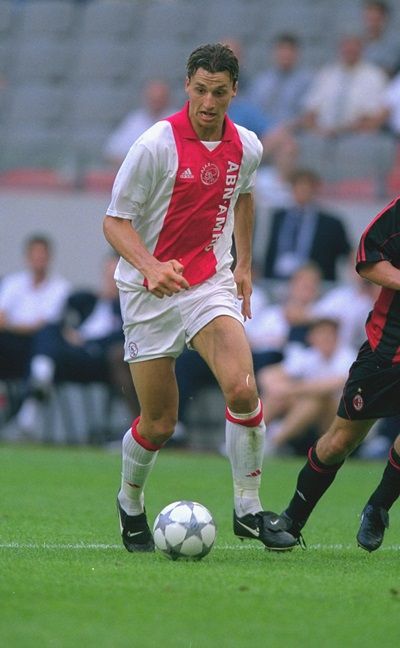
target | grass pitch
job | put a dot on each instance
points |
(66, 581)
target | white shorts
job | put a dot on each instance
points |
(155, 327)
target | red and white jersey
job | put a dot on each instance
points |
(180, 195)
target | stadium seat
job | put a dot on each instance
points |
(99, 104)
(238, 20)
(41, 16)
(167, 62)
(7, 17)
(104, 61)
(33, 130)
(35, 178)
(112, 19)
(48, 59)
(37, 105)
(95, 111)
(177, 21)
(98, 180)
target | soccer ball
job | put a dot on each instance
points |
(184, 530)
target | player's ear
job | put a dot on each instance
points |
(187, 82)
(234, 89)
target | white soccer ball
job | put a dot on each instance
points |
(184, 530)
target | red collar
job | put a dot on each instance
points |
(184, 126)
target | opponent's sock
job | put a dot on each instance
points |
(313, 480)
(245, 435)
(388, 489)
(138, 459)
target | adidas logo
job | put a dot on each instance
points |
(187, 174)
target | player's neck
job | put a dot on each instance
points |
(213, 134)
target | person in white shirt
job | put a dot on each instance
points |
(156, 104)
(303, 390)
(85, 346)
(29, 300)
(338, 132)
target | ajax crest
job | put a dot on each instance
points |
(133, 349)
(209, 173)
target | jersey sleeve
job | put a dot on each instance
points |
(138, 175)
(379, 242)
(252, 154)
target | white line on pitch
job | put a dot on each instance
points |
(99, 546)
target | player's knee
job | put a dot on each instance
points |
(242, 398)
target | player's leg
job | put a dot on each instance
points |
(323, 462)
(223, 345)
(157, 393)
(375, 517)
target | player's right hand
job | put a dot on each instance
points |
(166, 278)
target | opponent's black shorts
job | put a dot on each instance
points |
(372, 389)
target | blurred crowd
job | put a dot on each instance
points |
(336, 121)
(342, 117)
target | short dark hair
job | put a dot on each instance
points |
(302, 173)
(287, 38)
(383, 7)
(38, 239)
(324, 321)
(213, 57)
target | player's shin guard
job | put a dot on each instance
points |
(312, 482)
(388, 489)
(138, 459)
(245, 436)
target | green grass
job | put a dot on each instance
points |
(60, 595)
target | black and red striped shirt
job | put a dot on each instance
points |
(381, 242)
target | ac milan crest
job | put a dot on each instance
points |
(358, 402)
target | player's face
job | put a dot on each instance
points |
(209, 97)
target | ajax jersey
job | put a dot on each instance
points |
(180, 195)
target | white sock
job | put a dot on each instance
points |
(42, 370)
(137, 463)
(245, 436)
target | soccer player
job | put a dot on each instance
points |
(183, 190)
(372, 391)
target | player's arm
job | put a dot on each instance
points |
(163, 278)
(382, 273)
(243, 233)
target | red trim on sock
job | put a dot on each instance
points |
(147, 445)
(320, 469)
(392, 461)
(251, 422)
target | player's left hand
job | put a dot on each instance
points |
(244, 290)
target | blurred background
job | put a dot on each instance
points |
(79, 82)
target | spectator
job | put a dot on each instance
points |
(304, 232)
(349, 303)
(345, 94)
(277, 324)
(389, 115)
(156, 105)
(29, 300)
(86, 346)
(381, 43)
(279, 90)
(302, 391)
(340, 133)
